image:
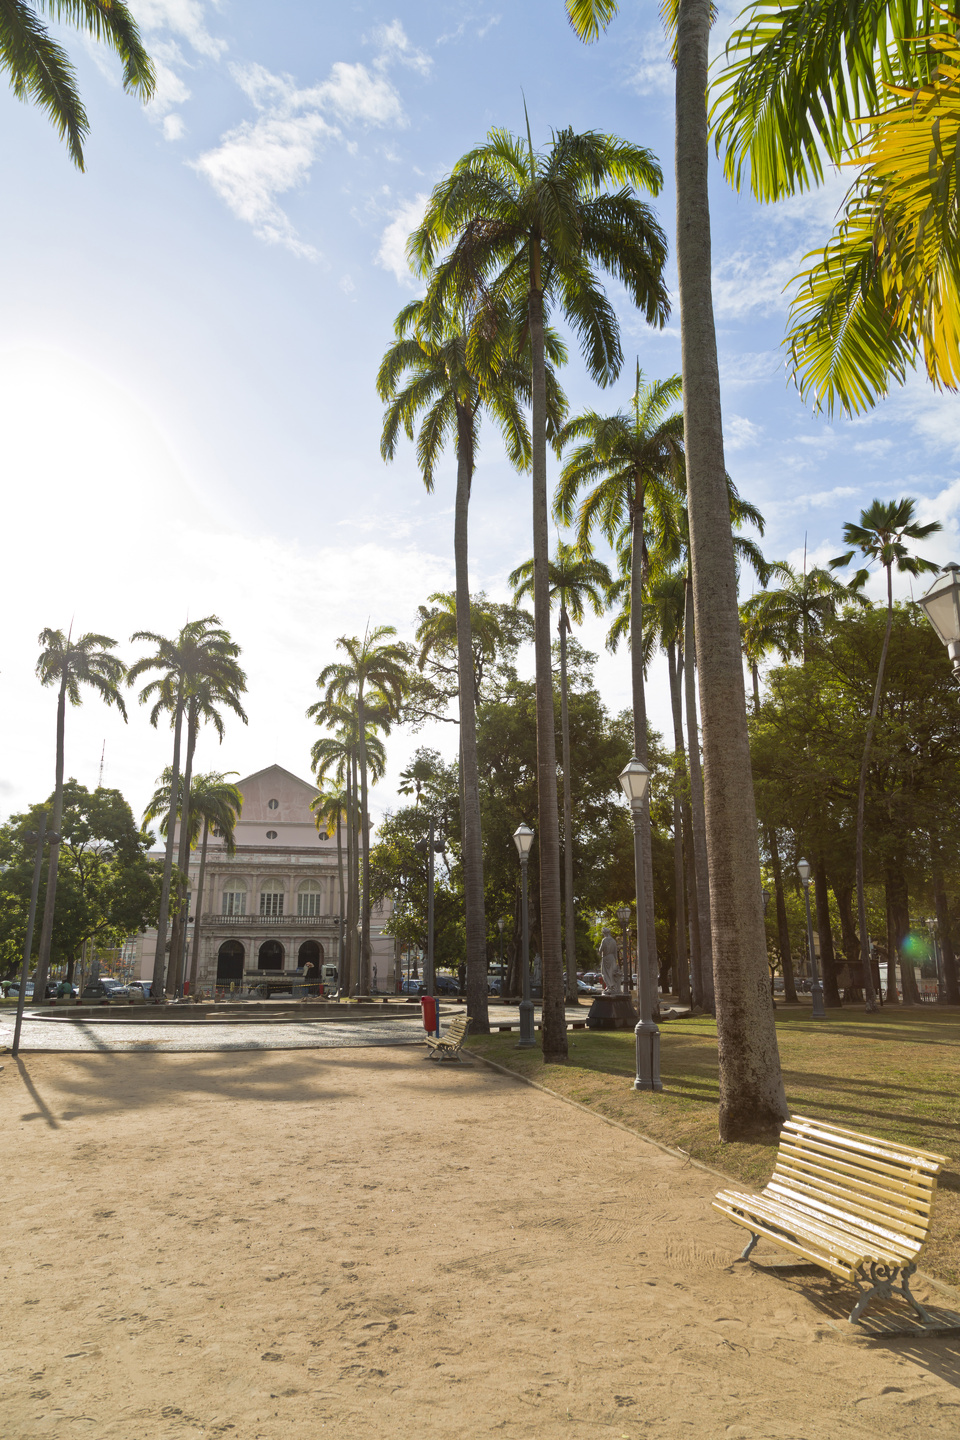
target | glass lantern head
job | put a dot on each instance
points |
(634, 778)
(942, 604)
(523, 839)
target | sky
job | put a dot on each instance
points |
(190, 333)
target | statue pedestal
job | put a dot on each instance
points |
(612, 1012)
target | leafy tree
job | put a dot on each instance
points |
(331, 810)
(576, 581)
(68, 664)
(108, 888)
(40, 69)
(529, 231)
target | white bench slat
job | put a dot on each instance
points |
(902, 1171)
(838, 1245)
(845, 1272)
(908, 1153)
(891, 1240)
(913, 1223)
(917, 1194)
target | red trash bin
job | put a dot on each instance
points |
(431, 1014)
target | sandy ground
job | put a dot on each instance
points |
(355, 1242)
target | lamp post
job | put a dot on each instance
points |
(805, 870)
(523, 839)
(941, 987)
(942, 606)
(40, 836)
(623, 915)
(500, 924)
(634, 778)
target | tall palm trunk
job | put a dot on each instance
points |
(553, 1011)
(569, 916)
(752, 1099)
(50, 899)
(640, 746)
(159, 958)
(948, 957)
(197, 910)
(702, 868)
(178, 946)
(364, 986)
(783, 929)
(353, 898)
(343, 918)
(476, 930)
(871, 1003)
(828, 958)
(680, 769)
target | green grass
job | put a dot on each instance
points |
(895, 1074)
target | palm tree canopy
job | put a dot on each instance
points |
(214, 801)
(331, 809)
(40, 69)
(801, 609)
(510, 220)
(88, 660)
(200, 665)
(576, 580)
(334, 753)
(885, 526)
(376, 663)
(801, 75)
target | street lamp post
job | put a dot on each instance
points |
(941, 986)
(40, 837)
(523, 839)
(942, 606)
(634, 778)
(805, 870)
(623, 915)
(500, 924)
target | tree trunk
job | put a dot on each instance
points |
(569, 913)
(197, 911)
(783, 929)
(701, 868)
(871, 1003)
(343, 917)
(828, 960)
(475, 922)
(178, 947)
(752, 1098)
(50, 898)
(680, 775)
(353, 936)
(364, 974)
(553, 1011)
(948, 956)
(898, 926)
(640, 746)
(843, 893)
(160, 954)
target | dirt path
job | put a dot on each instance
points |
(354, 1243)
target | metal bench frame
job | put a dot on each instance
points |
(448, 1046)
(857, 1206)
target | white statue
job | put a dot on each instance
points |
(610, 964)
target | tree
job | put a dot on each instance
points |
(528, 231)
(211, 800)
(629, 465)
(884, 527)
(108, 887)
(752, 1098)
(68, 664)
(427, 378)
(373, 675)
(331, 809)
(202, 655)
(40, 70)
(799, 612)
(575, 580)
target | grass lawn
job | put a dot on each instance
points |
(895, 1074)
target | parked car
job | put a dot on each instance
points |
(140, 987)
(11, 988)
(494, 985)
(447, 985)
(584, 989)
(105, 990)
(412, 987)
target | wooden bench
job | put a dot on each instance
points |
(447, 1047)
(856, 1206)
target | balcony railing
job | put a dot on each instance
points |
(257, 922)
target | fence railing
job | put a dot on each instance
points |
(256, 921)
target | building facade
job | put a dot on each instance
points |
(274, 904)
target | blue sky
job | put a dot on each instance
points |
(191, 330)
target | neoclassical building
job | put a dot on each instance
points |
(274, 903)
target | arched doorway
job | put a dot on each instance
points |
(310, 950)
(230, 962)
(270, 955)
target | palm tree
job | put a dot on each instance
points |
(202, 653)
(885, 526)
(629, 465)
(331, 810)
(68, 664)
(576, 581)
(212, 801)
(427, 378)
(752, 1097)
(373, 676)
(799, 612)
(40, 69)
(527, 232)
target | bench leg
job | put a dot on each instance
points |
(753, 1241)
(884, 1279)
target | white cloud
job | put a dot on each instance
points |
(395, 49)
(651, 72)
(347, 285)
(749, 368)
(173, 127)
(873, 449)
(260, 160)
(747, 282)
(392, 254)
(185, 18)
(822, 498)
(739, 432)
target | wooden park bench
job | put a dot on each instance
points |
(447, 1047)
(856, 1206)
